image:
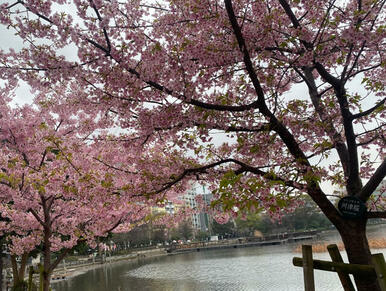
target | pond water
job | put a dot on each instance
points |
(241, 269)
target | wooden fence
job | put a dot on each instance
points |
(377, 270)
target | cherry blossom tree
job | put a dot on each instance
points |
(294, 88)
(54, 193)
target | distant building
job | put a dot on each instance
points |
(200, 221)
(170, 207)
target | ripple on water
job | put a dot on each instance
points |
(253, 272)
(245, 273)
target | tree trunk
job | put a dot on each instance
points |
(23, 265)
(15, 272)
(47, 261)
(1, 269)
(18, 272)
(47, 231)
(353, 233)
(46, 280)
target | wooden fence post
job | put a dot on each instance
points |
(337, 258)
(308, 268)
(380, 269)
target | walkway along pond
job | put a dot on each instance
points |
(277, 239)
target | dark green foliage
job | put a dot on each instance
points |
(184, 231)
(305, 217)
(224, 230)
(202, 235)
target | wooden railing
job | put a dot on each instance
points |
(376, 271)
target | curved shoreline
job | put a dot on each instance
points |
(61, 274)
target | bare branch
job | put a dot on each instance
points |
(373, 183)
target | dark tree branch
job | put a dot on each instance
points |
(12, 5)
(97, 45)
(369, 111)
(33, 212)
(295, 22)
(48, 68)
(188, 172)
(372, 130)
(22, 181)
(114, 167)
(58, 260)
(335, 82)
(115, 225)
(347, 63)
(367, 142)
(267, 175)
(243, 48)
(262, 128)
(330, 128)
(55, 218)
(243, 168)
(290, 13)
(276, 125)
(6, 184)
(376, 214)
(354, 183)
(373, 183)
(43, 158)
(36, 13)
(348, 75)
(104, 29)
(68, 160)
(59, 124)
(218, 107)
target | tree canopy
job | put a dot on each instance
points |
(55, 192)
(295, 90)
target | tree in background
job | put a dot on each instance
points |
(53, 193)
(183, 231)
(225, 230)
(180, 72)
(202, 235)
(304, 217)
(247, 225)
